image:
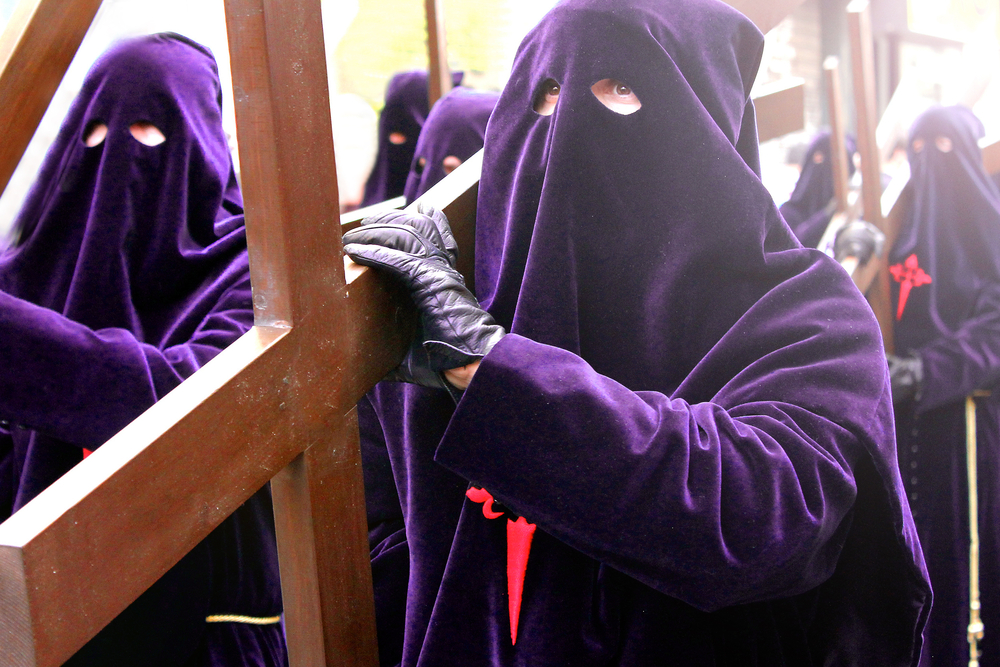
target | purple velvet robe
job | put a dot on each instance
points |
(706, 450)
(130, 273)
(405, 110)
(806, 210)
(456, 126)
(946, 294)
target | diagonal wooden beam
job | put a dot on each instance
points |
(766, 14)
(36, 48)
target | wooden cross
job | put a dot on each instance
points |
(278, 403)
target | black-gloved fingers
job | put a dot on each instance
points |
(444, 229)
(426, 222)
(366, 243)
(858, 239)
(906, 375)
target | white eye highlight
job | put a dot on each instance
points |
(95, 134)
(616, 96)
(546, 97)
(146, 133)
(943, 144)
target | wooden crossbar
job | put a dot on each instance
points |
(780, 108)
(36, 47)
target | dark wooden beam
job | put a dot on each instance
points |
(863, 61)
(36, 47)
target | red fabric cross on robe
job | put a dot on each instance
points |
(909, 275)
(519, 535)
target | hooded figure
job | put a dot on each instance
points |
(808, 210)
(945, 268)
(453, 133)
(131, 272)
(706, 456)
(399, 124)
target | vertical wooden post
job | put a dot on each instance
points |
(290, 181)
(437, 52)
(859, 21)
(838, 140)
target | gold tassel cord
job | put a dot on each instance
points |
(236, 618)
(975, 621)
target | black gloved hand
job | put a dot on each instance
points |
(858, 239)
(419, 249)
(906, 375)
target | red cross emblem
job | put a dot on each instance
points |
(909, 275)
(519, 534)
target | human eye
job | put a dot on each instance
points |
(617, 96)
(546, 97)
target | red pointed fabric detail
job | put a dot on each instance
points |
(486, 498)
(87, 452)
(519, 535)
(909, 275)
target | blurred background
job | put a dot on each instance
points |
(930, 47)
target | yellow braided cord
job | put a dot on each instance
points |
(971, 455)
(236, 618)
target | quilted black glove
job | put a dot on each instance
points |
(906, 375)
(858, 239)
(418, 249)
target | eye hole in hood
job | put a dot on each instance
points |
(146, 133)
(617, 96)
(94, 133)
(546, 97)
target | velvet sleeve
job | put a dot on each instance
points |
(969, 359)
(82, 386)
(716, 503)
